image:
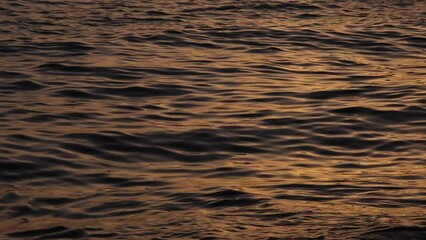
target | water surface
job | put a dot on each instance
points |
(212, 119)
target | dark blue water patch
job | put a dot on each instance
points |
(174, 42)
(138, 91)
(330, 94)
(98, 138)
(337, 130)
(286, 6)
(10, 197)
(399, 146)
(107, 72)
(103, 235)
(78, 94)
(156, 13)
(408, 114)
(237, 173)
(223, 198)
(214, 9)
(23, 85)
(419, 42)
(267, 50)
(65, 46)
(52, 201)
(346, 63)
(392, 93)
(70, 234)
(114, 206)
(160, 117)
(147, 19)
(13, 75)
(92, 151)
(226, 193)
(33, 49)
(360, 166)
(103, 178)
(291, 121)
(305, 198)
(52, 161)
(23, 138)
(80, 115)
(145, 150)
(351, 41)
(37, 232)
(309, 16)
(353, 143)
(20, 111)
(142, 183)
(235, 202)
(45, 118)
(52, 32)
(179, 146)
(19, 167)
(247, 34)
(33, 176)
(136, 39)
(333, 189)
(396, 233)
(174, 72)
(19, 211)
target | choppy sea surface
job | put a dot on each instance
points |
(213, 120)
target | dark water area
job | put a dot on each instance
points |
(213, 119)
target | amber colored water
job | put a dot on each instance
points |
(213, 120)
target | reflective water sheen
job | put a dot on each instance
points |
(212, 119)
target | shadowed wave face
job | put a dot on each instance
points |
(212, 119)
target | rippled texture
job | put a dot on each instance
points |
(212, 119)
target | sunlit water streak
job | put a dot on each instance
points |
(212, 119)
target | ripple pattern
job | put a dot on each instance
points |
(212, 119)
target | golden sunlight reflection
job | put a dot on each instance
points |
(212, 119)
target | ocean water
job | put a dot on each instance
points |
(179, 119)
